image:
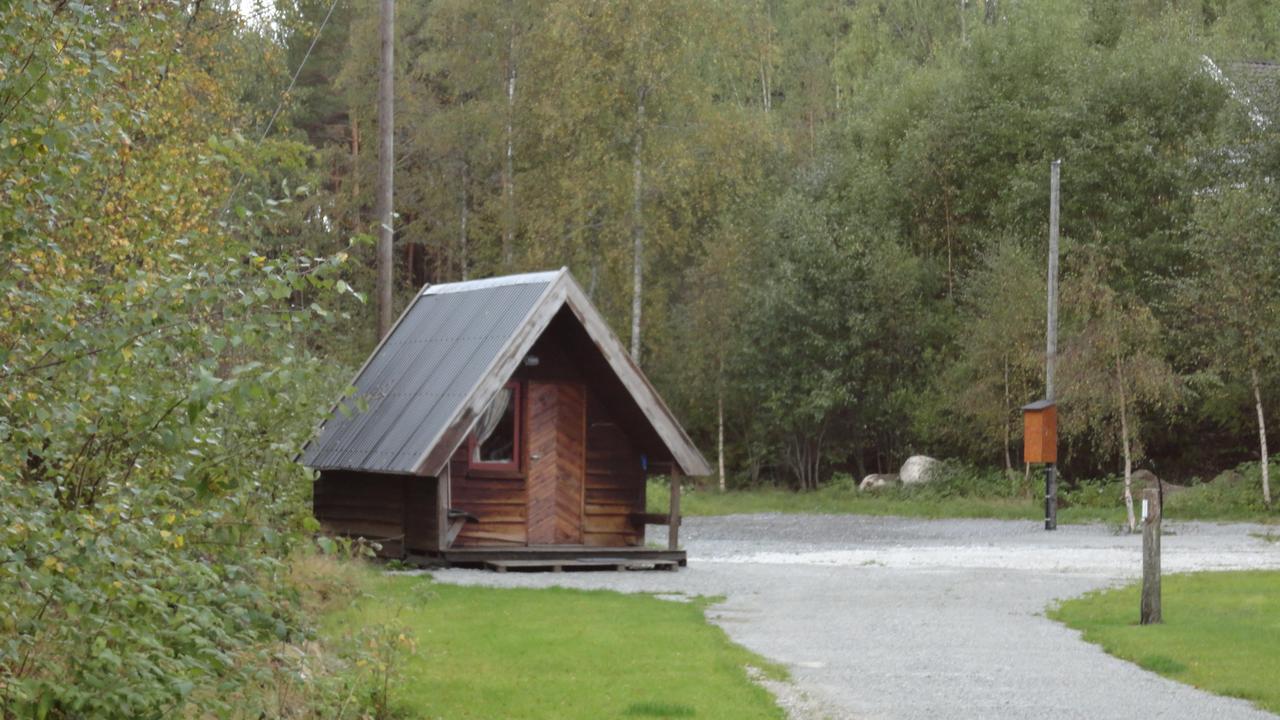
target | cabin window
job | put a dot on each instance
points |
(496, 443)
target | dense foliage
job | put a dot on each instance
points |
(826, 221)
(155, 376)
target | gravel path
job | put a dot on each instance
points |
(902, 619)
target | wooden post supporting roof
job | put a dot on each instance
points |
(673, 520)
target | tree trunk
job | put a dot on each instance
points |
(355, 160)
(508, 161)
(593, 234)
(1008, 411)
(804, 460)
(813, 135)
(1124, 443)
(946, 210)
(1262, 438)
(990, 11)
(462, 222)
(766, 91)
(386, 164)
(835, 52)
(720, 434)
(637, 229)
(766, 87)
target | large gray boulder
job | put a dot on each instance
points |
(920, 470)
(876, 481)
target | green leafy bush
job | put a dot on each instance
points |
(1234, 494)
(157, 378)
(1102, 492)
(148, 490)
(962, 480)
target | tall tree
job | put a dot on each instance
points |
(1233, 297)
(1112, 366)
(1001, 350)
(626, 88)
(835, 328)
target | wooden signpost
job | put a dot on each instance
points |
(1151, 512)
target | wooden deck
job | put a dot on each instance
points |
(609, 563)
(551, 557)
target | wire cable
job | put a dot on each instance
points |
(284, 97)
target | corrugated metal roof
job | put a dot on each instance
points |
(447, 355)
(429, 364)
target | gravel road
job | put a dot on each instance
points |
(901, 619)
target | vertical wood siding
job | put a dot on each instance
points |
(557, 461)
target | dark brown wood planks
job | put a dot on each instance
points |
(614, 491)
(496, 500)
(615, 482)
(397, 511)
(557, 462)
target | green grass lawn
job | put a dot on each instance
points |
(1221, 631)
(562, 654)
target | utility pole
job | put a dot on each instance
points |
(1051, 343)
(386, 164)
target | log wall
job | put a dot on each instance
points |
(397, 511)
(497, 500)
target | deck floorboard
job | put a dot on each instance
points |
(548, 556)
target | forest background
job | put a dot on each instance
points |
(820, 226)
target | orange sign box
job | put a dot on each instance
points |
(1040, 432)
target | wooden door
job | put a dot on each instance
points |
(557, 441)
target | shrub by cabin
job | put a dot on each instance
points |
(499, 418)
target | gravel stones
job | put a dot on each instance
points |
(895, 618)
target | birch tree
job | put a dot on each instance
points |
(626, 111)
(1233, 297)
(1111, 368)
(1001, 361)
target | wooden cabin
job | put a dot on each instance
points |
(500, 419)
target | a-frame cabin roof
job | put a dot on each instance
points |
(447, 356)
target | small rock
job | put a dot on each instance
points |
(875, 481)
(920, 470)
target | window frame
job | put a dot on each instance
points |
(517, 442)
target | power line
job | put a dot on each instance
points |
(280, 106)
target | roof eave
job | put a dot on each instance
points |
(655, 410)
(437, 453)
(334, 407)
